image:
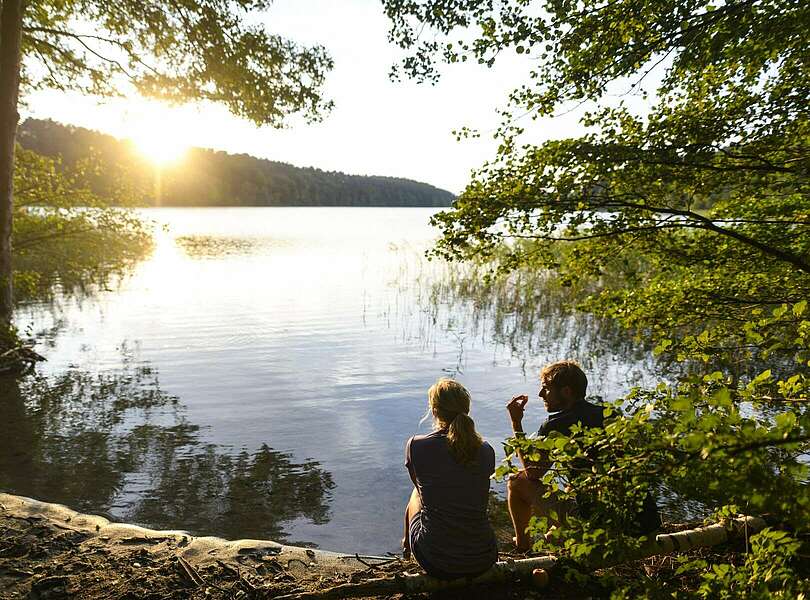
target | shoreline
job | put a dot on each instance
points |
(203, 549)
(51, 551)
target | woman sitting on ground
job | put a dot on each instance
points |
(446, 524)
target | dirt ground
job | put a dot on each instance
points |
(50, 552)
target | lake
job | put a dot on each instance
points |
(259, 373)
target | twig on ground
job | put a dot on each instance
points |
(362, 562)
(229, 569)
(190, 572)
(194, 575)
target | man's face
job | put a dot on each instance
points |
(555, 397)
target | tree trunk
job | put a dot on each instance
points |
(521, 570)
(10, 36)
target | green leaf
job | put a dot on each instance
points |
(761, 378)
(785, 421)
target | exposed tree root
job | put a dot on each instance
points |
(18, 360)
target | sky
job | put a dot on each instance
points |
(378, 127)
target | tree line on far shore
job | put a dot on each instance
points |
(210, 178)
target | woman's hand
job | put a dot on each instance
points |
(515, 408)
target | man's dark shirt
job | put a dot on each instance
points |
(591, 415)
(582, 412)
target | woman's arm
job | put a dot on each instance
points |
(408, 463)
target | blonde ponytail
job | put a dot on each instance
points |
(463, 440)
(450, 403)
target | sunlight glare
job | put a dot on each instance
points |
(160, 146)
(159, 132)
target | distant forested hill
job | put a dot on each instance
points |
(209, 178)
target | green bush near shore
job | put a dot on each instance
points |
(66, 237)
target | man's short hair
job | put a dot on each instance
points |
(565, 372)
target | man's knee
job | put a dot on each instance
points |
(519, 484)
(513, 483)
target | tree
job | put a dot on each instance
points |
(691, 216)
(687, 221)
(710, 185)
(10, 33)
(202, 50)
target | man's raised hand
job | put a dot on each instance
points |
(516, 407)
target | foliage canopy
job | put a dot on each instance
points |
(727, 127)
(201, 50)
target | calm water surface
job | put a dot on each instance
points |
(259, 373)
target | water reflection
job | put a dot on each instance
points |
(206, 246)
(116, 444)
(527, 314)
(235, 496)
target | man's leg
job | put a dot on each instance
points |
(525, 497)
(413, 507)
(521, 494)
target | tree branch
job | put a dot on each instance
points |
(709, 224)
(26, 242)
(79, 37)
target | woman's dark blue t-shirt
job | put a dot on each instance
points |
(455, 534)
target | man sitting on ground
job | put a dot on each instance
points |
(563, 386)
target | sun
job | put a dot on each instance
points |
(161, 133)
(161, 147)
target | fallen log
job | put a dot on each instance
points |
(521, 570)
